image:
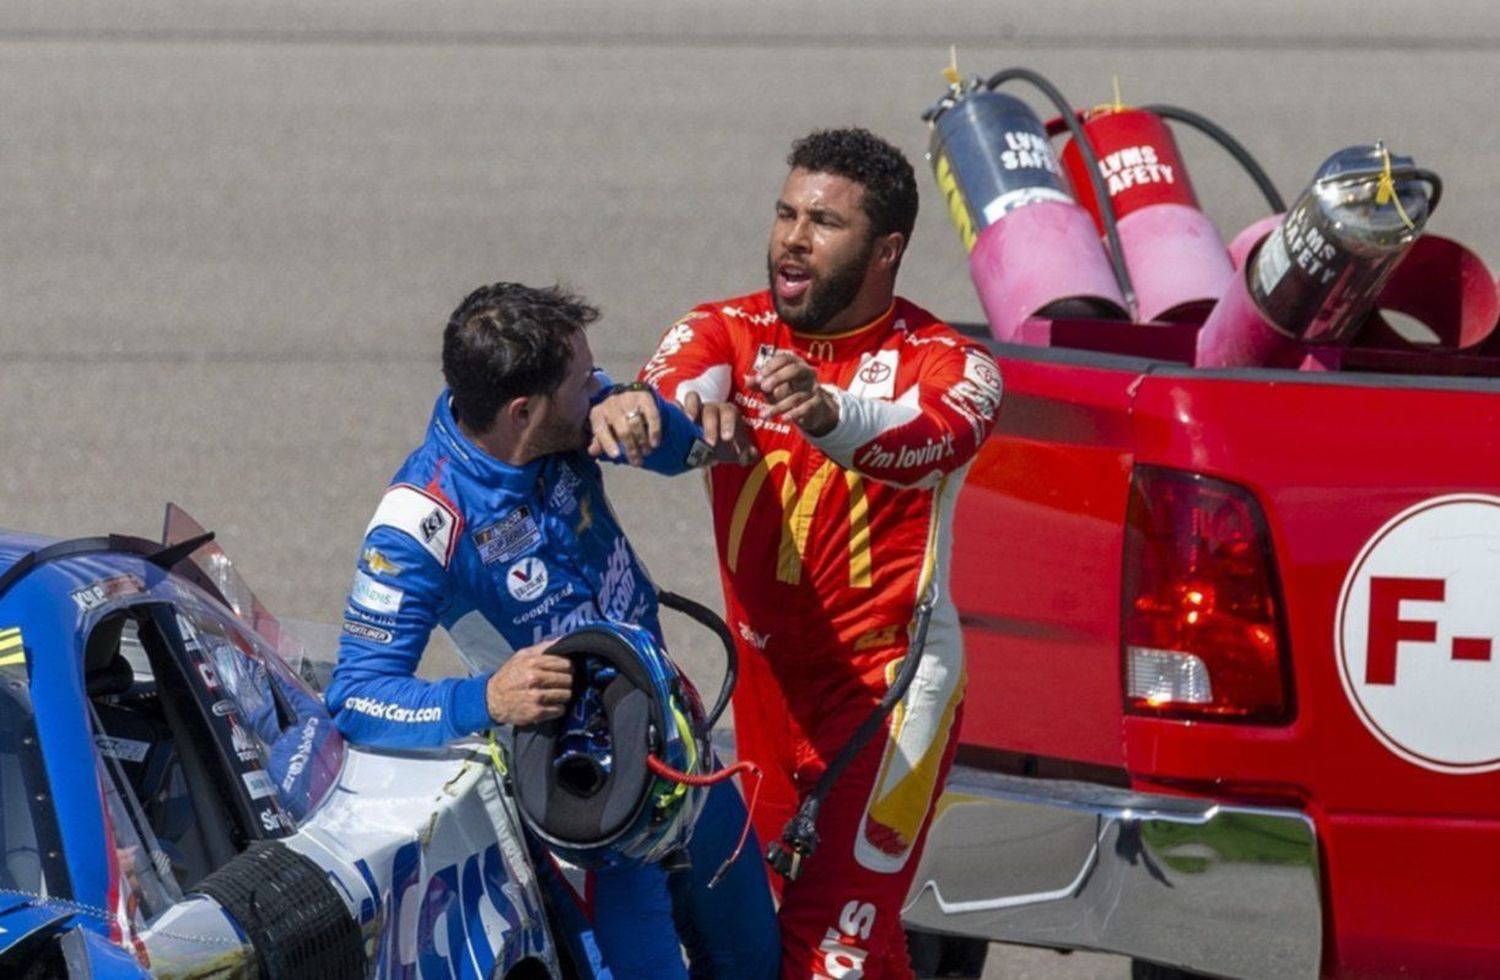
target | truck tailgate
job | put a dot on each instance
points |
(1383, 503)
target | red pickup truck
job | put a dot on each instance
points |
(1234, 692)
(1327, 547)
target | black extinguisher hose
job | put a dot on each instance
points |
(799, 839)
(1091, 161)
(1231, 145)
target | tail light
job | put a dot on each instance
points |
(1204, 626)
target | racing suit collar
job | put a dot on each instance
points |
(472, 459)
(880, 320)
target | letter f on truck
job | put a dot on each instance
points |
(1388, 629)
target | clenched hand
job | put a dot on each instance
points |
(628, 422)
(532, 686)
(723, 428)
(791, 385)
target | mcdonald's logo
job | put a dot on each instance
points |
(820, 350)
(797, 508)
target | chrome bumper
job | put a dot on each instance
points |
(1215, 889)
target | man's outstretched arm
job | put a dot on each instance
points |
(933, 428)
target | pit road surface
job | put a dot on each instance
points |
(231, 233)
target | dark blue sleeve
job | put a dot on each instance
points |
(682, 447)
(374, 693)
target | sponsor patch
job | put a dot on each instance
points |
(930, 452)
(876, 375)
(820, 350)
(618, 586)
(585, 514)
(374, 596)
(274, 820)
(526, 580)
(376, 561)
(222, 708)
(372, 633)
(430, 521)
(759, 319)
(124, 749)
(563, 498)
(508, 538)
(981, 370)
(244, 747)
(302, 755)
(107, 590)
(259, 783)
(757, 640)
(358, 615)
(580, 615)
(391, 711)
(678, 337)
(545, 606)
(843, 951)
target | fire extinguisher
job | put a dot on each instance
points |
(1033, 251)
(1177, 260)
(1316, 276)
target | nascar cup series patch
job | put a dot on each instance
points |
(1416, 632)
(508, 538)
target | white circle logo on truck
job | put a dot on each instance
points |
(1417, 628)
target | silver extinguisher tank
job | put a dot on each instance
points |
(1318, 275)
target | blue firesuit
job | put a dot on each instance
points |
(503, 557)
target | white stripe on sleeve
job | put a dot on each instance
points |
(863, 419)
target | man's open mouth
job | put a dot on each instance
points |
(792, 282)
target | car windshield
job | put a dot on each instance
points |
(27, 829)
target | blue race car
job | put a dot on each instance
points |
(177, 802)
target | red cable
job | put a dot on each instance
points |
(665, 771)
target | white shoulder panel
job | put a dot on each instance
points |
(431, 522)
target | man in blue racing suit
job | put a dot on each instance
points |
(498, 529)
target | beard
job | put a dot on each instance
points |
(827, 296)
(554, 435)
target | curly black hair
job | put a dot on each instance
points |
(505, 341)
(861, 156)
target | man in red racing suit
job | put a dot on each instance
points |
(865, 410)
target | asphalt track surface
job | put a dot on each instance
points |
(230, 233)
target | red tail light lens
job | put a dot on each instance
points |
(1204, 631)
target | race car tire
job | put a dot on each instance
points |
(298, 925)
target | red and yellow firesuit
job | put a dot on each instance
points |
(825, 547)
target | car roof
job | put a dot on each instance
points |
(15, 544)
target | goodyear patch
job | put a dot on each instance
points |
(12, 647)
